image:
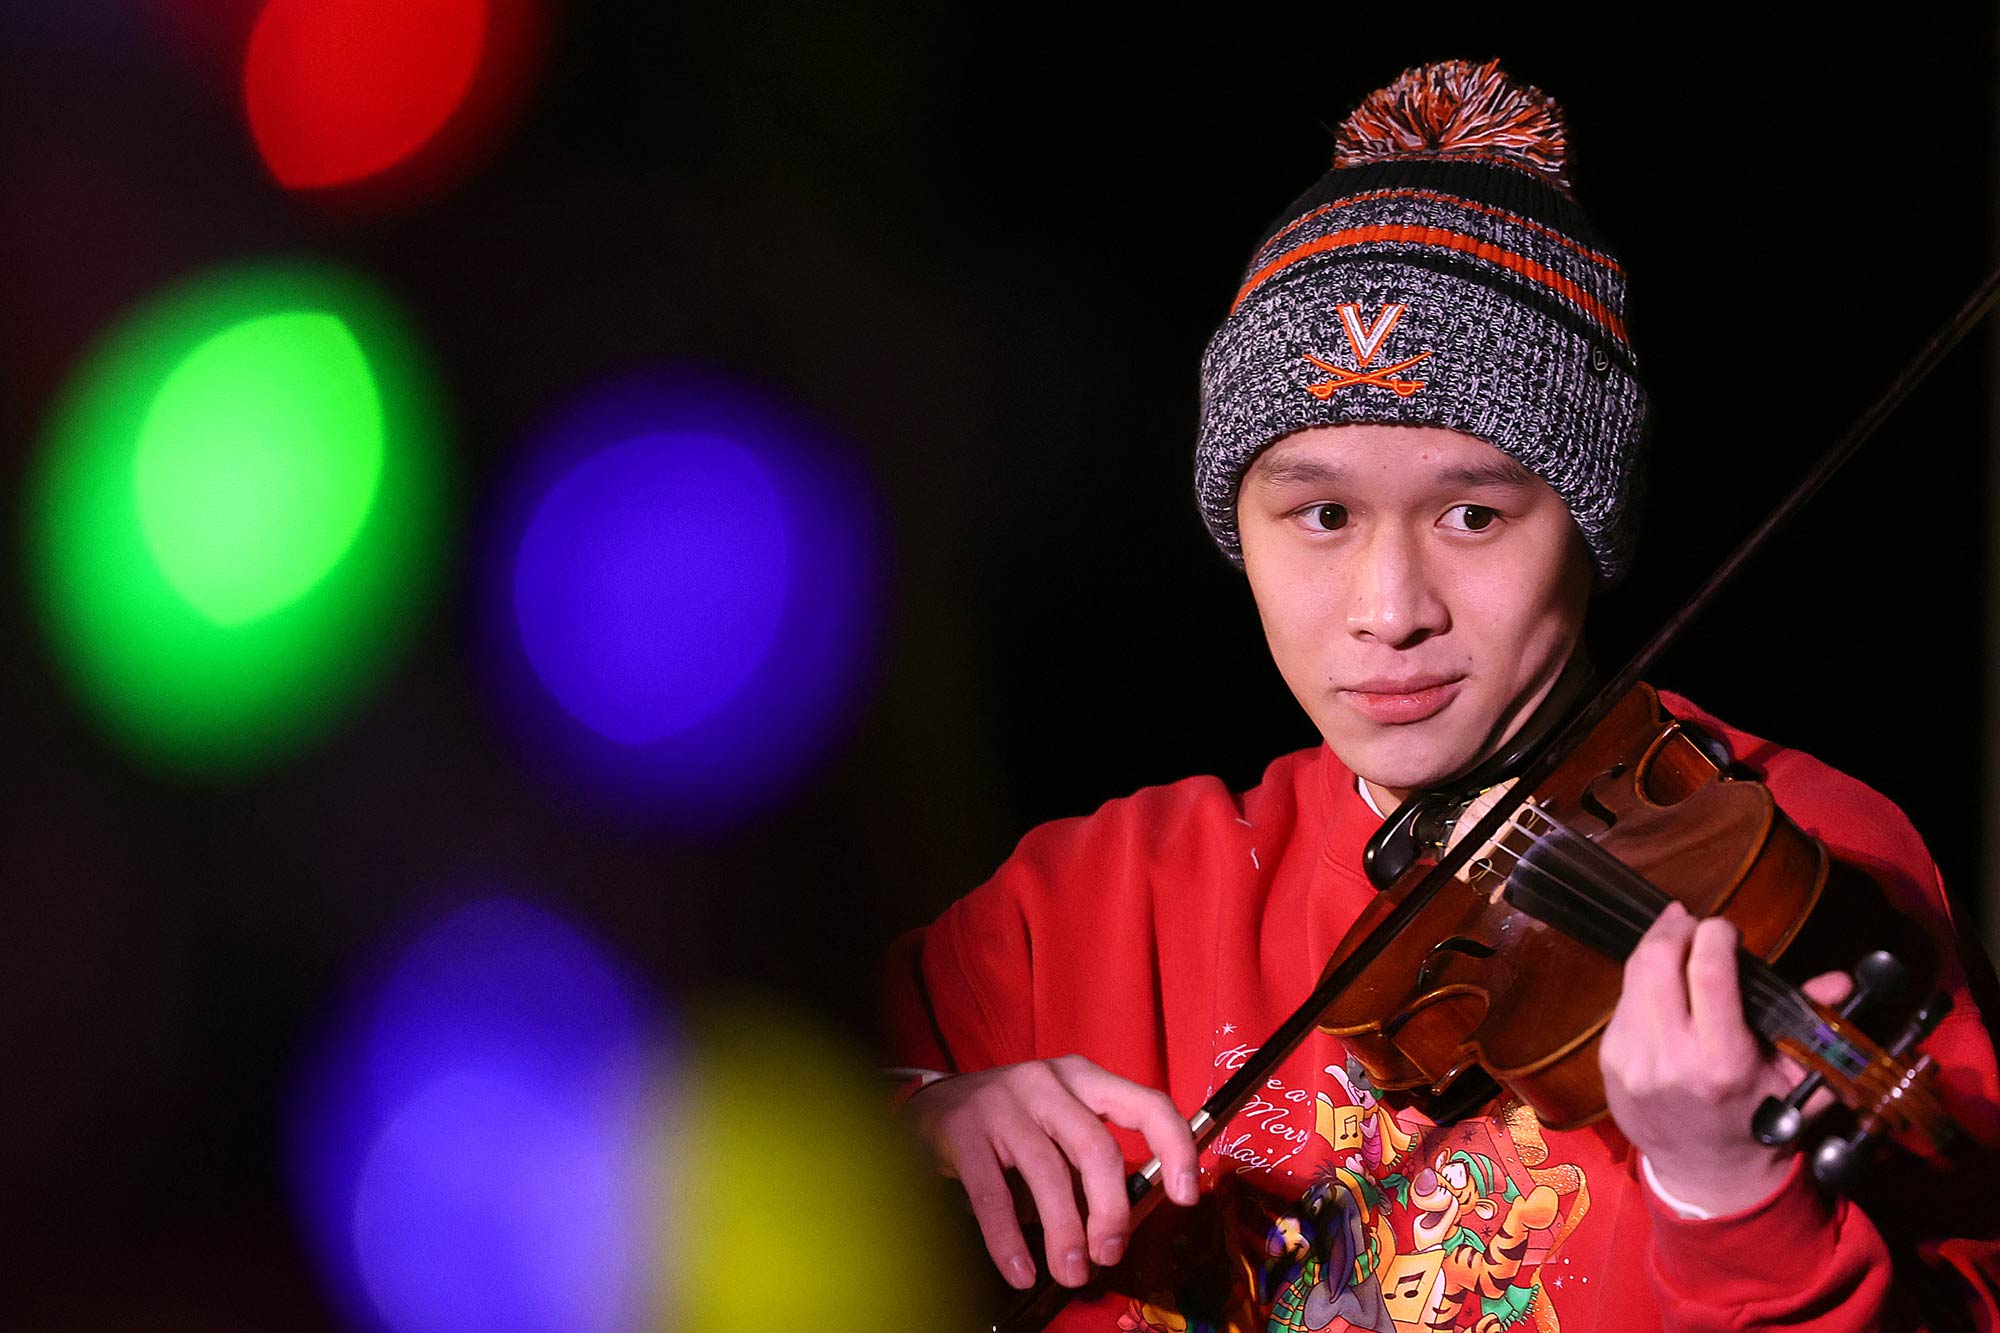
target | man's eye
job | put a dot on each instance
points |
(1470, 518)
(1326, 517)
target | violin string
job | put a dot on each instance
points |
(1644, 912)
(1777, 994)
(1784, 1008)
(1779, 997)
(1781, 1007)
(1559, 844)
(1782, 1003)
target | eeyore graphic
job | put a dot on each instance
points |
(1314, 1253)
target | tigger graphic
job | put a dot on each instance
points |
(1468, 1236)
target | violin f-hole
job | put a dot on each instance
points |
(1594, 804)
(1428, 976)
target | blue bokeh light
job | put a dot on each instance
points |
(651, 582)
(685, 596)
(471, 1148)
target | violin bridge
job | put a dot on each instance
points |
(1481, 874)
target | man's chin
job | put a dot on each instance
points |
(1398, 763)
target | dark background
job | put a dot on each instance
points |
(988, 247)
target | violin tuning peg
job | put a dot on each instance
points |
(1921, 1025)
(1837, 1163)
(1776, 1123)
(1879, 978)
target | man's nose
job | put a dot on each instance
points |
(1392, 598)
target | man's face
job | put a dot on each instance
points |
(1420, 591)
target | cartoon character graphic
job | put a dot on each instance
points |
(1153, 1316)
(1364, 1124)
(1161, 1313)
(1406, 1226)
(1445, 1227)
(1469, 1233)
(1332, 1267)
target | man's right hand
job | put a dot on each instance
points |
(1044, 1120)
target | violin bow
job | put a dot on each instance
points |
(1038, 1305)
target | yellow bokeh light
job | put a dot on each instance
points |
(793, 1198)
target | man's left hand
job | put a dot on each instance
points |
(1683, 1073)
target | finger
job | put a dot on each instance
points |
(1048, 1177)
(1715, 998)
(993, 1206)
(1151, 1113)
(1829, 988)
(1655, 985)
(1101, 1169)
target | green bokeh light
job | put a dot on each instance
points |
(237, 514)
(258, 463)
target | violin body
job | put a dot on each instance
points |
(1477, 981)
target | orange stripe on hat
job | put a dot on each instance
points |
(1447, 240)
(1459, 201)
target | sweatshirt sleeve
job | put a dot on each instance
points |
(955, 992)
(1093, 938)
(961, 993)
(1919, 1252)
(1795, 1260)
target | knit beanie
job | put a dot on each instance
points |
(1441, 274)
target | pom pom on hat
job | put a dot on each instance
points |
(1457, 109)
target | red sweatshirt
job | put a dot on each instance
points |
(1166, 934)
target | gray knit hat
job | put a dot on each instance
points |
(1440, 275)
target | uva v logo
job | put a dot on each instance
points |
(1366, 340)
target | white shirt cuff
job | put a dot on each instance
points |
(1692, 1212)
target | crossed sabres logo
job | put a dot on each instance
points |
(1366, 342)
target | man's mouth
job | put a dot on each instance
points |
(1399, 702)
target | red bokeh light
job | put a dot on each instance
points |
(352, 94)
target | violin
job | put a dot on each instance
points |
(1511, 896)
(1514, 966)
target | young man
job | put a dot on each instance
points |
(1420, 425)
